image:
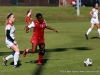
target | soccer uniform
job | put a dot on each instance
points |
(9, 30)
(28, 17)
(94, 19)
(38, 33)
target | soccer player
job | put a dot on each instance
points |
(37, 39)
(29, 16)
(94, 20)
(10, 40)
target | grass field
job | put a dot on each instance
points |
(65, 51)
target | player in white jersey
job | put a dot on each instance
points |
(94, 20)
(10, 40)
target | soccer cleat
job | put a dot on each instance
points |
(5, 62)
(24, 53)
(39, 63)
(86, 36)
(15, 66)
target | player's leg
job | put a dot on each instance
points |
(89, 30)
(98, 26)
(34, 42)
(7, 58)
(16, 54)
(41, 53)
(9, 45)
(33, 50)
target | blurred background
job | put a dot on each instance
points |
(47, 2)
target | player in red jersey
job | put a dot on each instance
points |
(37, 39)
(29, 16)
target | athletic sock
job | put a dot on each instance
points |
(10, 56)
(40, 58)
(16, 57)
(99, 31)
(89, 30)
(27, 50)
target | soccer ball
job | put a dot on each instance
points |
(88, 62)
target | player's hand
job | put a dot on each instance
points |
(94, 16)
(26, 28)
(55, 30)
(15, 43)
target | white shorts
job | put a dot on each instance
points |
(8, 43)
(94, 21)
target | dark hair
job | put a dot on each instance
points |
(27, 11)
(38, 14)
(94, 5)
(9, 15)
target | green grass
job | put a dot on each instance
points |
(65, 51)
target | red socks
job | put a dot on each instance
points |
(40, 58)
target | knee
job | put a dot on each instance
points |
(42, 46)
(17, 50)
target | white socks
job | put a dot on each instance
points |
(10, 56)
(16, 57)
(89, 30)
(99, 31)
(27, 50)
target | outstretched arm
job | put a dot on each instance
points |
(29, 26)
(48, 27)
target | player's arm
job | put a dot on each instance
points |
(8, 27)
(91, 13)
(48, 27)
(8, 34)
(29, 27)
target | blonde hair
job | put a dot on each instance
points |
(6, 21)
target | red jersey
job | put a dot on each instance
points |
(38, 32)
(38, 28)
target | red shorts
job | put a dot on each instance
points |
(37, 40)
(28, 19)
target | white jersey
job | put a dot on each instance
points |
(94, 19)
(12, 30)
(95, 13)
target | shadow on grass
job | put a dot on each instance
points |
(5, 53)
(57, 50)
(95, 37)
(52, 50)
(40, 69)
(44, 61)
(82, 48)
(19, 63)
